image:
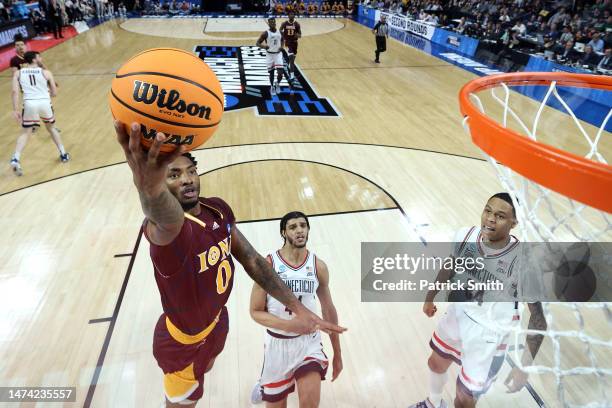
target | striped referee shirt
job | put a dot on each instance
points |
(381, 29)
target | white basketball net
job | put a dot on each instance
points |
(545, 216)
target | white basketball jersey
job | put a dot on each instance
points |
(303, 282)
(489, 307)
(273, 41)
(33, 84)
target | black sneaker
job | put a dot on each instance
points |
(64, 158)
(377, 61)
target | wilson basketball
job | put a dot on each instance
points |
(170, 91)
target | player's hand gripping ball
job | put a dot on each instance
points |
(170, 91)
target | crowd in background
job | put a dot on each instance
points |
(576, 33)
(50, 12)
(338, 8)
(156, 7)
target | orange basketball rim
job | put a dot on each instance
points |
(579, 178)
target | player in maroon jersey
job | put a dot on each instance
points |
(193, 240)
(291, 32)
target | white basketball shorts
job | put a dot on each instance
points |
(286, 359)
(36, 109)
(479, 350)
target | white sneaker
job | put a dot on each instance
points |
(257, 394)
(278, 88)
(16, 167)
(273, 90)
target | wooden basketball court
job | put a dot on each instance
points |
(77, 291)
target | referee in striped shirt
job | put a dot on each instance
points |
(381, 31)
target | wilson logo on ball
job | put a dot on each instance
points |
(147, 93)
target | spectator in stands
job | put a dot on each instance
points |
(504, 18)
(461, 26)
(606, 61)
(520, 27)
(350, 9)
(549, 47)
(579, 37)
(560, 17)
(53, 12)
(596, 43)
(532, 24)
(341, 9)
(185, 6)
(554, 32)
(289, 7)
(543, 29)
(122, 10)
(567, 53)
(325, 8)
(589, 58)
(69, 7)
(313, 8)
(279, 9)
(566, 35)
(4, 15)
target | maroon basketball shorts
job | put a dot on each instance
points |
(184, 358)
(292, 47)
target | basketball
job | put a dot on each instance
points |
(170, 91)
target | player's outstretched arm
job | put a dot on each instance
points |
(329, 313)
(161, 208)
(16, 91)
(262, 273)
(517, 378)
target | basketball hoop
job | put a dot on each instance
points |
(529, 166)
(559, 196)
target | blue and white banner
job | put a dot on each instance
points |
(8, 31)
(464, 44)
(400, 22)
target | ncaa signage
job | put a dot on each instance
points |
(9, 30)
(244, 77)
(400, 22)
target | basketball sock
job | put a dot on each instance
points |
(436, 385)
(61, 149)
(16, 156)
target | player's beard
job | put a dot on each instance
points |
(293, 244)
(188, 205)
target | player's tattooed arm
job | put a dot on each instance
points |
(149, 169)
(261, 271)
(537, 321)
(517, 378)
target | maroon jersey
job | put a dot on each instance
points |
(290, 31)
(195, 272)
(17, 61)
